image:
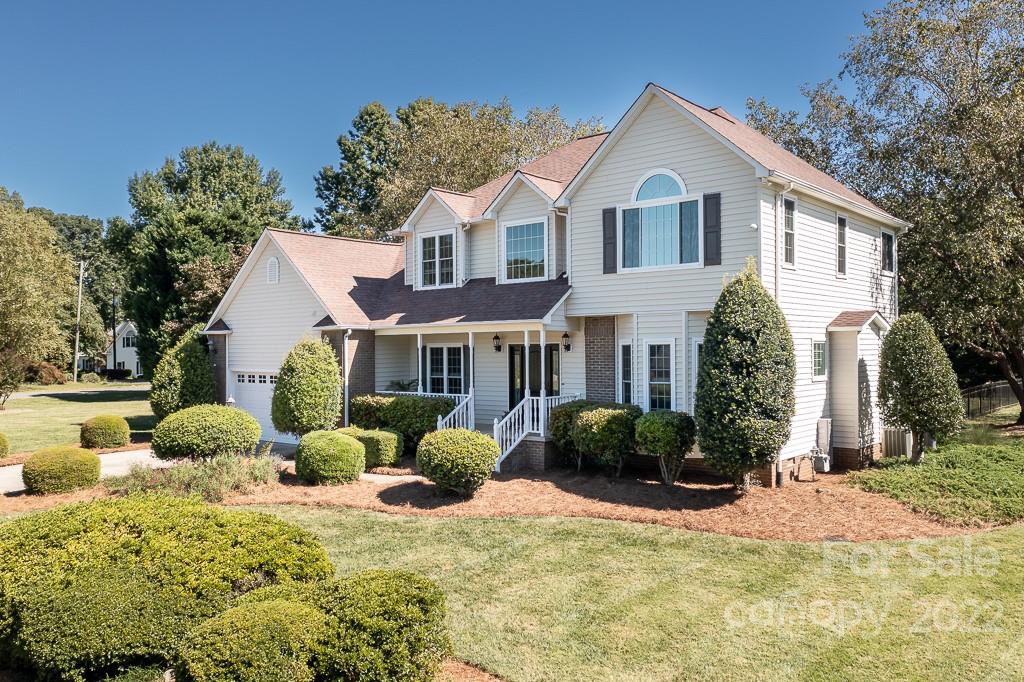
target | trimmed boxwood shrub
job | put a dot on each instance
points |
(917, 387)
(382, 625)
(105, 431)
(118, 582)
(255, 642)
(669, 436)
(457, 460)
(92, 378)
(745, 384)
(606, 433)
(307, 395)
(367, 411)
(5, 446)
(206, 431)
(411, 416)
(60, 469)
(183, 377)
(561, 422)
(326, 457)
(383, 448)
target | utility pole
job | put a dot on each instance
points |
(78, 318)
(113, 326)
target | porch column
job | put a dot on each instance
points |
(419, 363)
(472, 382)
(526, 380)
(543, 377)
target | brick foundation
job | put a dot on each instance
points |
(856, 458)
(532, 454)
(599, 351)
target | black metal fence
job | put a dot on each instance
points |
(981, 400)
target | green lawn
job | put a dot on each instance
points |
(578, 599)
(54, 417)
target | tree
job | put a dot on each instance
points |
(388, 162)
(183, 377)
(745, 385)
(937, 129)
(307, 395)
(213, 201)
(917, 387)
(35, 283)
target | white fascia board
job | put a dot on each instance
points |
(901, 226)
(491, 212)
(407, 226)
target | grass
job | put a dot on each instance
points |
(53, 417)
(977, 478)
(212, 480)
(80, 386)
(582, 599)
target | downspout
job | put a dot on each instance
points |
(344, 388)
(779, 208)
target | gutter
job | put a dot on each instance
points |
(777, 177)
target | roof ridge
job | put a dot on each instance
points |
(451, 191)
(538, 175)
(331, 236)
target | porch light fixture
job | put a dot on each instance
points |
(566, 346)
(496, 342)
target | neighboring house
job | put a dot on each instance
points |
(122, 352)
(588, 272)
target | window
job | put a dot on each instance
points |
(120, 365)
(698, 358)
(273, 270)
(626, 373)
(437, 257)
(263, 379)
(841, 246)
(819, 360)
(129, 341)
(444, 369)
(789, 231)
(240, 378)
(525, 246)
(273, 378)
(888, 252)
(251, 378)
(662, 226)
(659, 376)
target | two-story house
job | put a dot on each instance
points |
(589, 272)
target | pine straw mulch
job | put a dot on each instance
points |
(826, 509)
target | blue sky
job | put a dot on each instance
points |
(95, 92)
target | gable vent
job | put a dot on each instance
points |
(273, 271)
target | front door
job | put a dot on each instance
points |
(517, 372)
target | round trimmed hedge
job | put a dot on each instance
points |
(105, 431)
(184, 377)
(113, 583)
(561, 422)
(5, 446)
(669, 436)
(205, 431)
(606, 433)
(254, 642)
(457, 460)
(60, 469)
(382, 625)
(327, 457)
(383, 447)
(307, 395)
(90, 378)
(411, 416)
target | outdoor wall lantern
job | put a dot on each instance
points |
(496, 341)
(566, 346)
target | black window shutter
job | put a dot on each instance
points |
(425, 370)
(609, 218)
(712, 229)
(465, 369)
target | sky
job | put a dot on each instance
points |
(95, 92)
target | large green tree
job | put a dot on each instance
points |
(389, 160)
(934, 132)
(210, 203)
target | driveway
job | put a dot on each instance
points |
(111, 464)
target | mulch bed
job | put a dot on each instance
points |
(826, 509)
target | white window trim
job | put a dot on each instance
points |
(846, 246)
(420, 236)
(619, 376)
(881, 253)
(819, 377)
(461, 375)
(694, 370)
(796, 219)
(273, 270)
(650, 174)
(671, 343)
(503, 276)
(699, 198)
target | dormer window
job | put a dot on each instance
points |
(273, 270)
(525, 249)
(661, 227)
(437, 260)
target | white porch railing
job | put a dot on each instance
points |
(457, 397)
(462, 417)
(529, 416)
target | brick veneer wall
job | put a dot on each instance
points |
(361, 359)
(532, 454)
(217, 345)
(599, 354)
(856, 458)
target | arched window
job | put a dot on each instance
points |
(273, 271)
(661, 228)
(659, 186)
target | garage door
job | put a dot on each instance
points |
(253, 392)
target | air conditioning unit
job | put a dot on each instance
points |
(823, 449)
(896, 443)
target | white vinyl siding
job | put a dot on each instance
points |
(481, 247)
(395, 360)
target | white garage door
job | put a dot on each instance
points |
(253, 392)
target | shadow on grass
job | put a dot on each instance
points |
(141, 426)
(97, 396)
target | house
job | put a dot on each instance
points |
(122, 351)
(589, 272)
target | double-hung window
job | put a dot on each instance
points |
(662, 225)
(660, 370)
(888, 252)
(789, 231)
(444, 369)
(437, 260)
(841, 246)
(129, 341)
(819, 360)
(525, 250)
(626, 373)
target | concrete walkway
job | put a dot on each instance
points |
(111, 464)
